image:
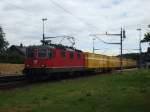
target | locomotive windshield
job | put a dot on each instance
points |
(42, 53)
(30, 53)
(36, 52)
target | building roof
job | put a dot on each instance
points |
(20, 49)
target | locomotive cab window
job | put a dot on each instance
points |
(50, 53)
(42, 53)
(71, 55)
(78, 55)
(30, 53)
(63, 53)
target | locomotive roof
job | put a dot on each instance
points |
(60, 46)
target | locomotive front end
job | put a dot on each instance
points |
(38, 59)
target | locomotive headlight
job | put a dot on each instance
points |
(28, 66)
(43, 65)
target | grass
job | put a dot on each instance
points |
(10, 69)
(127, 92)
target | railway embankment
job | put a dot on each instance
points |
(7, 69)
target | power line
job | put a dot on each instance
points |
(79, 19)
(27, 13)
(133, 26)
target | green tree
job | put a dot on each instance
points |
(146, 38)
(3, 43)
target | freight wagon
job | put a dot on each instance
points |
(106, 63)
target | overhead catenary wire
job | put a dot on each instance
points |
(26, 13)
(32, 14)
(132, 26)
(76, 17)
(70, 13)
(61, 7)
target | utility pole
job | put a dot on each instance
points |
(140, 47)
(122, 36)
(121, 58)
(44, 19)
(93, 45)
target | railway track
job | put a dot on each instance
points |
(11, 78)
(9, 82)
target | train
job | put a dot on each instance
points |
(59, 60)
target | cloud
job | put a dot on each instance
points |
(22, 22)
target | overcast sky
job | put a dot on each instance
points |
(21, 21)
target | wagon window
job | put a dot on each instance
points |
(42, 53)
(79, 55)
(71, 55)
(63, 54)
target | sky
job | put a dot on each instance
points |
(22, 22)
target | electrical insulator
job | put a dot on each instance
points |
(124, 34)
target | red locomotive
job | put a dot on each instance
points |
(52, 59)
